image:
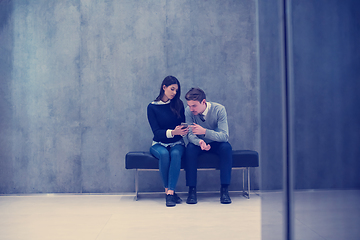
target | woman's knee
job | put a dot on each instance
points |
(177, 152)
(159, 152)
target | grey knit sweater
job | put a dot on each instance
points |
(216, 125)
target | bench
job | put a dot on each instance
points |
(242, 159)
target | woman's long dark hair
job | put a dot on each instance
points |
(175, 104)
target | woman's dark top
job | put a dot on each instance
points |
(161, 118)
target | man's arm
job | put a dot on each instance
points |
(221, 134)
(189, 120)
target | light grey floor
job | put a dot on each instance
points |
(97, 217)
(319, 215)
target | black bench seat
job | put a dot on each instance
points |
(242, 159)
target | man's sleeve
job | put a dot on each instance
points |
(190, 120)
(221, 134)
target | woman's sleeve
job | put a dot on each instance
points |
(157, 131)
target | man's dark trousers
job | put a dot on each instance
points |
(222, 149)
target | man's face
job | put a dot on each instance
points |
(197, 107)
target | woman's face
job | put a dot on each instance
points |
(169, 92)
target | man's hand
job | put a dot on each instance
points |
(197, 129)
(204, 146)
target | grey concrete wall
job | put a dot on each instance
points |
(45, 98)
(6, 47)
(76, 78)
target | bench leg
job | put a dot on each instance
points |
(243, 180)
(136, 184)
(248, 181)
(246, 193)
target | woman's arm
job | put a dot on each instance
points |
(152, 118)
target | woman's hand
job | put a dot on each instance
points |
(179, 130)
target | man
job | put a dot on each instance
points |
(209, 131)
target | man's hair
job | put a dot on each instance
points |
(195, 94)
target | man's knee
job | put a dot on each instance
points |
(225, 146)
(191, 147)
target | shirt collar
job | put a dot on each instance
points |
(160, 102)
(208, 105)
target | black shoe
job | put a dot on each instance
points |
(224, 196)
(177, 198)
(170, 201)
(192, 199)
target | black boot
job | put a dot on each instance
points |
(170, 201)
(192, 199)
(177, 198)
(224, 195)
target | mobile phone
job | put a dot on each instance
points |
(184, 125)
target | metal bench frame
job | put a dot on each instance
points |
(246, 193)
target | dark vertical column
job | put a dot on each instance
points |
(271, 78)
(288, 116)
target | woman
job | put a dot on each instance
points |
(165, 115)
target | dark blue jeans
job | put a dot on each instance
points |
(222, 149)
(169, 163)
